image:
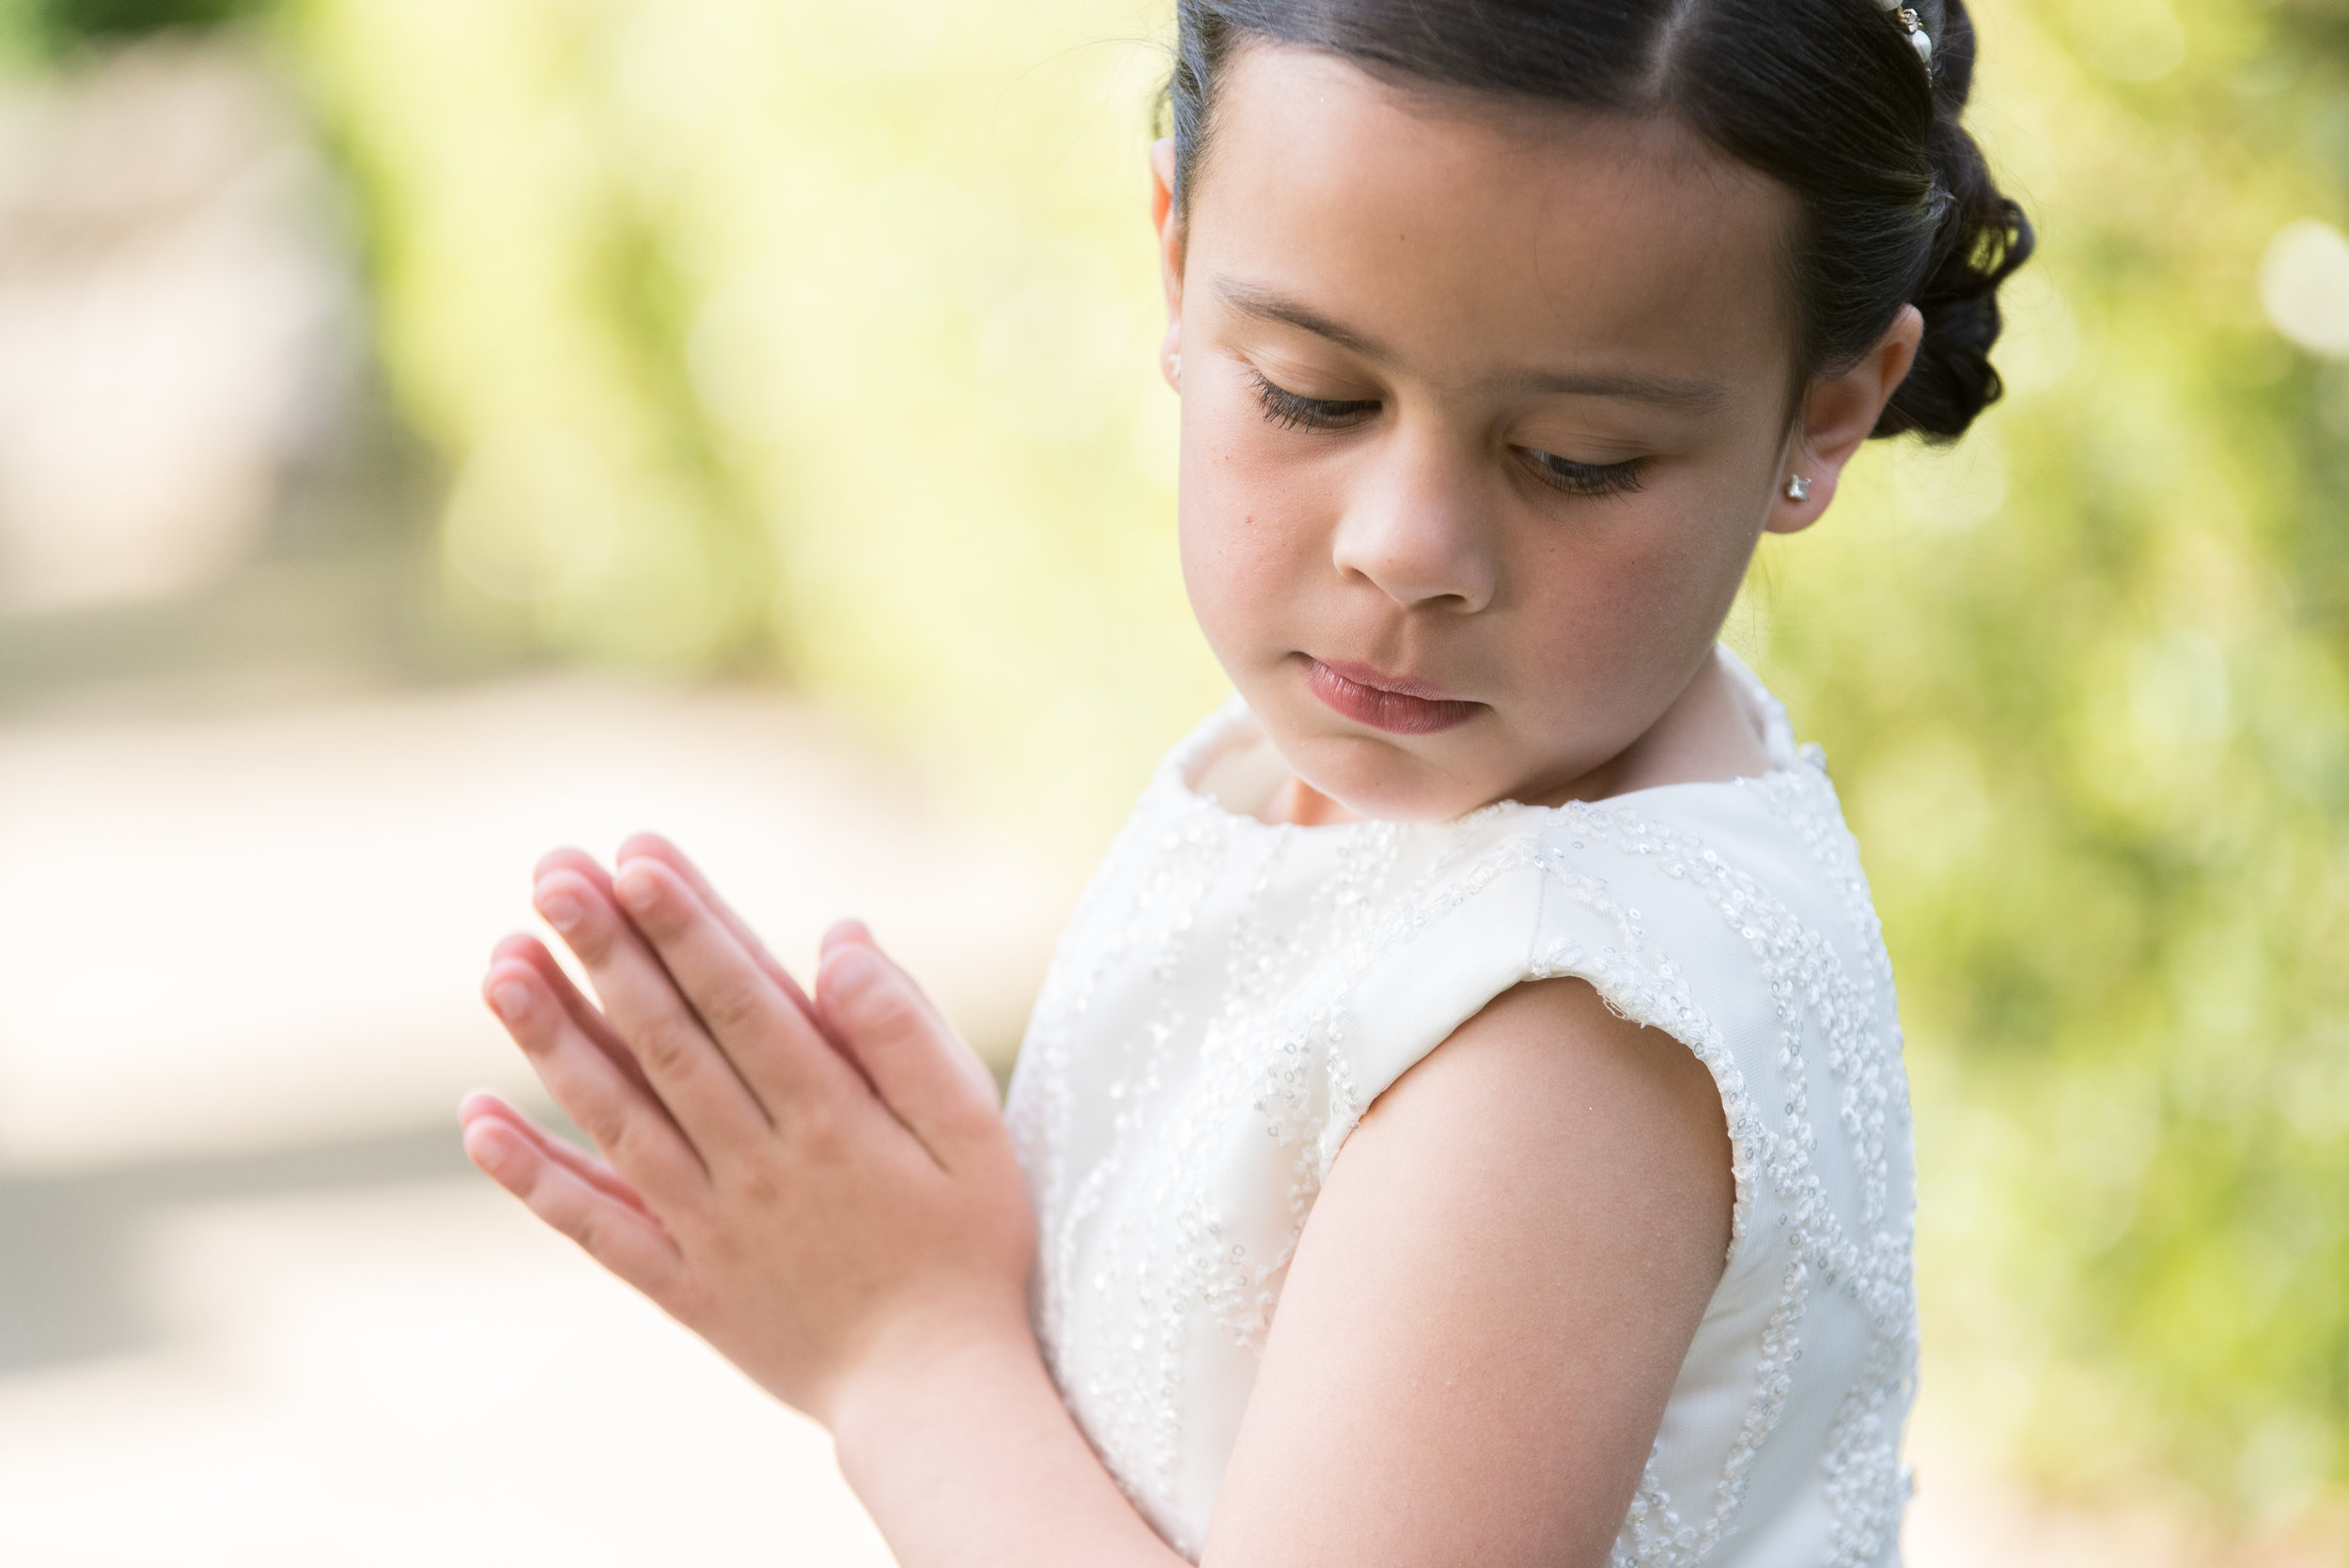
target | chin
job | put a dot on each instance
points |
(1375, 778)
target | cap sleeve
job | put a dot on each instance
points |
(1553, 901)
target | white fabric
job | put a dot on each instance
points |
(1231, 996)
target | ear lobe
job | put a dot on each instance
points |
(1791, 515)
(1839, 414)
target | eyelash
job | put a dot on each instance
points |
(1291, 412)
(1589, 480)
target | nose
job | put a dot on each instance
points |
(1416, 528)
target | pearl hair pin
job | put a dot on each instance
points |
(1914, 26)
(1798, 489)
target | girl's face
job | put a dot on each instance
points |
(1483, 410)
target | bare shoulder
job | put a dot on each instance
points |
(1490, 1300)
(1548, 1080)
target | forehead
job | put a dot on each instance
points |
(1474, 235)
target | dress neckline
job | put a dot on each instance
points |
(1192, 760)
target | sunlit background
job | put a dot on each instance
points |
(431, 430)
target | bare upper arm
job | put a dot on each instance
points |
(1491, 1302)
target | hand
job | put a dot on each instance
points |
(821, 1186)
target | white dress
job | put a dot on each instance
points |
(1231, 996)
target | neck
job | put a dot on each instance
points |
(1300, 803)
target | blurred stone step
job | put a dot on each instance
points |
(234, 932)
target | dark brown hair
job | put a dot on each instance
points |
(1826, 97)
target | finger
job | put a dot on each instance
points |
(775, 1047)
(646, 1147)
(569, 858)
(933, 1082)
(689, 1072)
(973, 1064)
(658, 849)
(584, 1013)
(857, 931)
(481, 1103)
(624, 1240)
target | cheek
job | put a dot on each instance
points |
(1608, 609)
(1254, 540)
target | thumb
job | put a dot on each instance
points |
(923, 1071)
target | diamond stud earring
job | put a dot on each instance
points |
(1798, 489)
(1175, 366)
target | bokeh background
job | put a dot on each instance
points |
(431, 430)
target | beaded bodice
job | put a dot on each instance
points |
(1231, 997)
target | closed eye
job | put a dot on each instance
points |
(1590, 479)
(1292, 412)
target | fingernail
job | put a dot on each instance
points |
(561, 909)
(511, 999)
(637, 886)
(850, 970)
(492, 1149)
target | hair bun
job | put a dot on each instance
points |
(1981, 237)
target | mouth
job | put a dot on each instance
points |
(1396, 704)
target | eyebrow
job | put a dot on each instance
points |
(1682, 393)
(1689, 395)
(1264, 304)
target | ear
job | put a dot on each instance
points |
(1836, 414)
(1170, 230)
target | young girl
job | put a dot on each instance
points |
(1465, 1121)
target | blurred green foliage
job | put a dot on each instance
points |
(818, 338)
(45, 29)
(798, 337)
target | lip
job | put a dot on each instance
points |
(1397, 704)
